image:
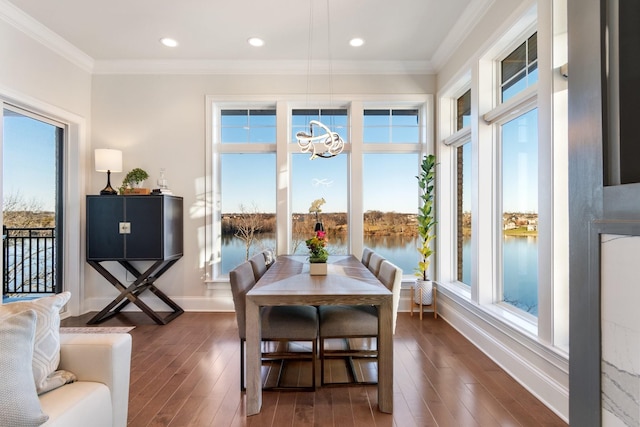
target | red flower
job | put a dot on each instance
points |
(321, 234)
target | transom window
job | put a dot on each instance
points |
(519, 69)
(395, 126)
(248, 126)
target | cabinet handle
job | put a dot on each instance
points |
(125, 227)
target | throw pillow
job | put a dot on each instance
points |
(46, 349)
(19, 403)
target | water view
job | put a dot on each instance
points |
(520, 260)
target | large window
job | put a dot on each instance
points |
(319, 179)
(32, 205)
(519, 150)
(463, 213)
(389, 201)
(263, 186)
(246, 182)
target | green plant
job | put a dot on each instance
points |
(426, 214)
(316, 246)
(132, 178)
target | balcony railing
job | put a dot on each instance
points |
(29, 256)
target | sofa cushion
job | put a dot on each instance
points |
(81, 404)
(19, 404)
(46, 349)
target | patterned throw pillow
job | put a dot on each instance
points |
(19, 403)
(46, 349)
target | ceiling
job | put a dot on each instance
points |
(400, 35)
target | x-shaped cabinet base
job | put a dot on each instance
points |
(144, 281)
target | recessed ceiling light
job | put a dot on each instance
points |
(256, 41)
(357, 42)
(168, 42)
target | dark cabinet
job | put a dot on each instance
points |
(134, 227)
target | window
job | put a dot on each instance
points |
(335, 119)
(242, 126)
(519, 69)
(248, 206)
(258, 173)
(319, 179)
(463, 213)
(389, 204)
(32, 202)
(246, 185)
(519, 149)
(397, 126)
(463, 110)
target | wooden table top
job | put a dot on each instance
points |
(346, 276)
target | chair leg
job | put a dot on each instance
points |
(242, 385)
(314, 346)
(321, 361)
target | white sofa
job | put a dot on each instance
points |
(100, 396)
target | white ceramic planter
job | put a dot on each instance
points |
(318, 268)
(423, 290)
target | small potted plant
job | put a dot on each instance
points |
(318, 254)
(133, 180)
(426, 230)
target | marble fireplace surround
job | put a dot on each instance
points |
(620, 326)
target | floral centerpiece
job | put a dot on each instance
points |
(316, 246)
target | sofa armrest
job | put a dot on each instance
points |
(104, 358)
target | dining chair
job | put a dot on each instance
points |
(356, 321)
(258, 264)
(282, 325)
(366, 256)
(374, 263)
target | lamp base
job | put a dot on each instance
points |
(108, 190)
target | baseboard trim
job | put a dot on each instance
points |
(536, 366)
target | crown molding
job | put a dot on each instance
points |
(467, 21)
(280, 67)
(43, 35)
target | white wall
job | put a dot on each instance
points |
(159, 122)
(34, 77)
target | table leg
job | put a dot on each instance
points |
(385, 356)
(253, 332)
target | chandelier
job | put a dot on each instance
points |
(319, 134)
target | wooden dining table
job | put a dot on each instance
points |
(347, 282)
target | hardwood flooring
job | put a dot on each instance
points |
(187, 373)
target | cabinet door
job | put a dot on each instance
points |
(144, 213)
(104, 214)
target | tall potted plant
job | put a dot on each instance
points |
(426, 230)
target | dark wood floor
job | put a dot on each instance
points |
(187, 373)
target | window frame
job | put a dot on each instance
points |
(285, 147)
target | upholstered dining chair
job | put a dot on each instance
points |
(366, 256)
(282, 324)
(258, 264)
(356, 321)
(374, 263)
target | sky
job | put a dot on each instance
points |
(29, 160)
(389, 180)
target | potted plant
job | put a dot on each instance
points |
(426, 230)
(318, 254)
(133, 180)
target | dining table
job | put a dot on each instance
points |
(347, 282)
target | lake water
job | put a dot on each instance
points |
(520, 260)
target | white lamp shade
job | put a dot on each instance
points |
(108, 160)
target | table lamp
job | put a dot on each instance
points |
(108, 161)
